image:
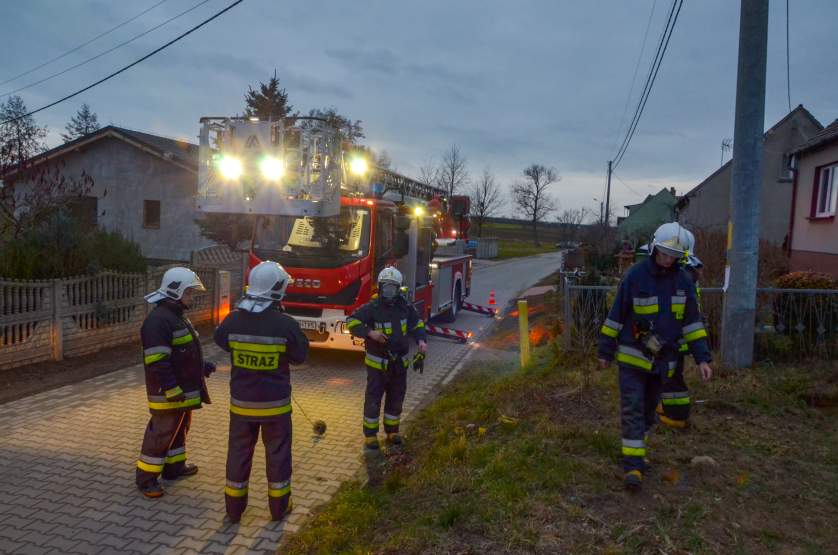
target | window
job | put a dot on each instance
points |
(825, 193)
(384, 236)
(151, 214)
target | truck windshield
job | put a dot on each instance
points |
(314, 242)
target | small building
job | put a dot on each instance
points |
(643, 219)
(144, 187)
(707, 206)
(814, 230)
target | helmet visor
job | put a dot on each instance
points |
(388, 291)
(674, 253)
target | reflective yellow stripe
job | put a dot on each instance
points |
(279, 492)
(352, 323)
(235, 492)
(678, 309)
(634, 451)
(176, 458)
(374, 363)
(272, 411)
(153, 468)
(392, 421)
(371, 425)
(175, 404)
(151, 359)
(182, 340)
(676, 401)
(420, 325)
(605, 330)
(684, 348)
(649, 309)
(174, 392)
(695, 335)
(634, 361)
(257, 347)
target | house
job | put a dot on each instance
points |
(707, 206)
(144, 187)
(643, 219)
(814, 230)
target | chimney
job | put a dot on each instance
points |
(672, 190)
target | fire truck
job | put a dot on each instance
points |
(334, 220)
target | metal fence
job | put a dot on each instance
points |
(790, 323)
(51, 319)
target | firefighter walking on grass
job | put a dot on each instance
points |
(654, 309)
(174, 376)
(385, 323)
(262, 340)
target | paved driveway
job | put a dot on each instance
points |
(67, 456)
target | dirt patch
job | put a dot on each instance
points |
(16, 383)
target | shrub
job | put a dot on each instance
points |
(806, 280)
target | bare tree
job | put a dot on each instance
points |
(571, 221)
(428, 173)
(452, 174)
(486, 199)
(531, 195)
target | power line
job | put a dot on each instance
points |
(626, 185)
(650, 81)
(636, 69)
(129, 66)
(82, 45)
(108, 51)
(788, 64)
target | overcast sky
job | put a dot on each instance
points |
(511, 83)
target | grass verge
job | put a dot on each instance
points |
(528, 461)
(510, 248)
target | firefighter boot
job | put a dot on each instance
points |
(188, 469)
(394, 440)
(633, 480)
(151, 489)
(371, 444)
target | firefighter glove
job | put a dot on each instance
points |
(209, 368)
(419, 363)
(175, 394)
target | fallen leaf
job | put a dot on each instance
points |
(671, 476)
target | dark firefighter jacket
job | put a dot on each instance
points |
(261, 345)
(397, 320)
(174, 363)
(653, 300)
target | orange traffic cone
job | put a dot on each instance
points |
(492, 297)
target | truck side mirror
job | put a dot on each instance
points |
(402, 223)
(401, 244)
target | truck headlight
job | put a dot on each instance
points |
(272, 168)
(230, 167)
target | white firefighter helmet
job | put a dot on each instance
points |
(389, 283)
(673, 239)
(266, 285)
(174, 284)
(694, 262)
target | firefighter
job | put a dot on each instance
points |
(654, 308)
(262, 340)
(175, 373)
(385, 324)
(674, 408)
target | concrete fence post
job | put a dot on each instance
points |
(57, 322)
(221, 296)
(568, 314)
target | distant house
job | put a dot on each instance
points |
(707, 206)
(643, 219)
(814, 230)
(144, 187)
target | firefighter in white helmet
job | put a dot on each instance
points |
(386, 323)
(174, 374)
(655, 308)
(262, 340)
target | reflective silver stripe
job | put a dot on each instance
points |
(673, 365)
(158, 350)
(180, 333)
(404, 322)
(679, 300)
(675, 395)
(371, 420)
(152, 460)
(237, 485)
(178, 451)
(613, 325)
(379, 360)
(634, 443)
(258, 339)
(633, 352)
(645, 301)
(279, 485)
(692, 327)
(261, 404)
(163, 399)
(392, 416)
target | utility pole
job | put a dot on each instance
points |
(746, 186)
(608, 197)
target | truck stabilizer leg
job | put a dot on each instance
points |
(449, 333)
(487, 310)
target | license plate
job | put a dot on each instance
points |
(309, 324)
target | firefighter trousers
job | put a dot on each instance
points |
(639, 396)
(164, 447)
(391, 384)
(276, 436)
(675, 398)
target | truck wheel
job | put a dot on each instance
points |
(451, 314)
